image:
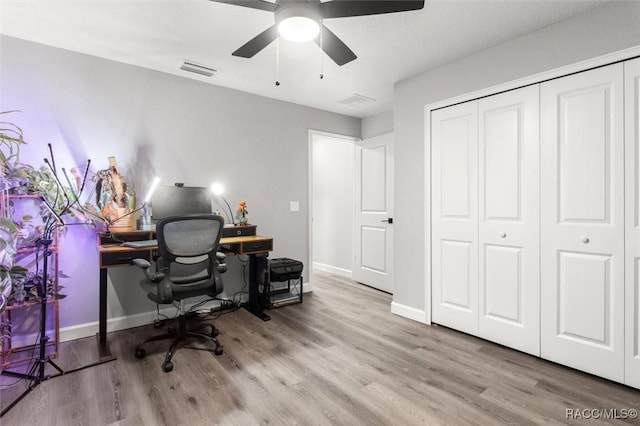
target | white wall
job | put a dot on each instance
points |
(333, 204)
(610, 28)
(159, 124)
(377, 125)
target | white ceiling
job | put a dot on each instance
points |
(160, 34)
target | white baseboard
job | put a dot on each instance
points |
(81, 331)
(332, 269)
(409, 312)
(89, 329)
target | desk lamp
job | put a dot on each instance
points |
(147, 199)
(218, 190)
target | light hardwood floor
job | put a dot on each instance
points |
(339, 358)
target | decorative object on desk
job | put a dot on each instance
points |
(113, 197)
(242, 212)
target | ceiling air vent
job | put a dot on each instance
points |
(356, 100)
(199, 68)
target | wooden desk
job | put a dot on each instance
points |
(113, 254)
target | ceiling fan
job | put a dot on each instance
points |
(302, 20)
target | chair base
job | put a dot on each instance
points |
(179, 335)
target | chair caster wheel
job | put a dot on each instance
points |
(215, 332)
(157, 323)
(167, 366)
(218, 350)
(140, 353)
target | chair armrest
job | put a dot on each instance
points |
(154, 277)
(141, 263)
(222, 266)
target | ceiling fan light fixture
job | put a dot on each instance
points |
(299, 29)
(298, 21)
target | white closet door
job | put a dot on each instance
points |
(582, 221)
(509, 205)
(455, 217)
(632, 168)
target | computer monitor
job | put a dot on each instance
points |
(175, 200)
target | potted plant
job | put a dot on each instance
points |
(11, 140)
(21, 179)
(242, 212)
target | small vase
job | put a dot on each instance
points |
(244, 220)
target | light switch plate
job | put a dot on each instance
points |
(294, 206)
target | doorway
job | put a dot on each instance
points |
(351, 208)
(331, 189)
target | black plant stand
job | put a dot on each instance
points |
(36, 374)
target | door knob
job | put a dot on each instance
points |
(503, 235)
(584, 239)
(388, 220)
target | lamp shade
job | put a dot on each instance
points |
(298, 28)
(299, 21)
(152, 188)
(217, 189)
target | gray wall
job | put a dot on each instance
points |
(610, 28)
(377, 125)
(158, 124)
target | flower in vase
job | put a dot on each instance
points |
(242, 212)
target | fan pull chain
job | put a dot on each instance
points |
(278, 61)
(321, 51)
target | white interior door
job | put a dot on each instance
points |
(374, 213)
(632, 269)
(454, 225)
(509, 205)
(582, 221)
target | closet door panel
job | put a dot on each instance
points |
(632, 252)
(582, 221)
(454, 223)
(509, 219)
(502, 295)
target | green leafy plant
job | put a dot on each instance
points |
(11, 140)
(8, 250)
(23, 230)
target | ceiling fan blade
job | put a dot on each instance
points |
(345, 8)
(256, 44)
(334, 47)
(253, 4)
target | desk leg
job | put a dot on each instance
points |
(103, 347)
(258, 272)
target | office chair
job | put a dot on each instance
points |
(189, 265)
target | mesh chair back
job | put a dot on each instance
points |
(189, 236)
